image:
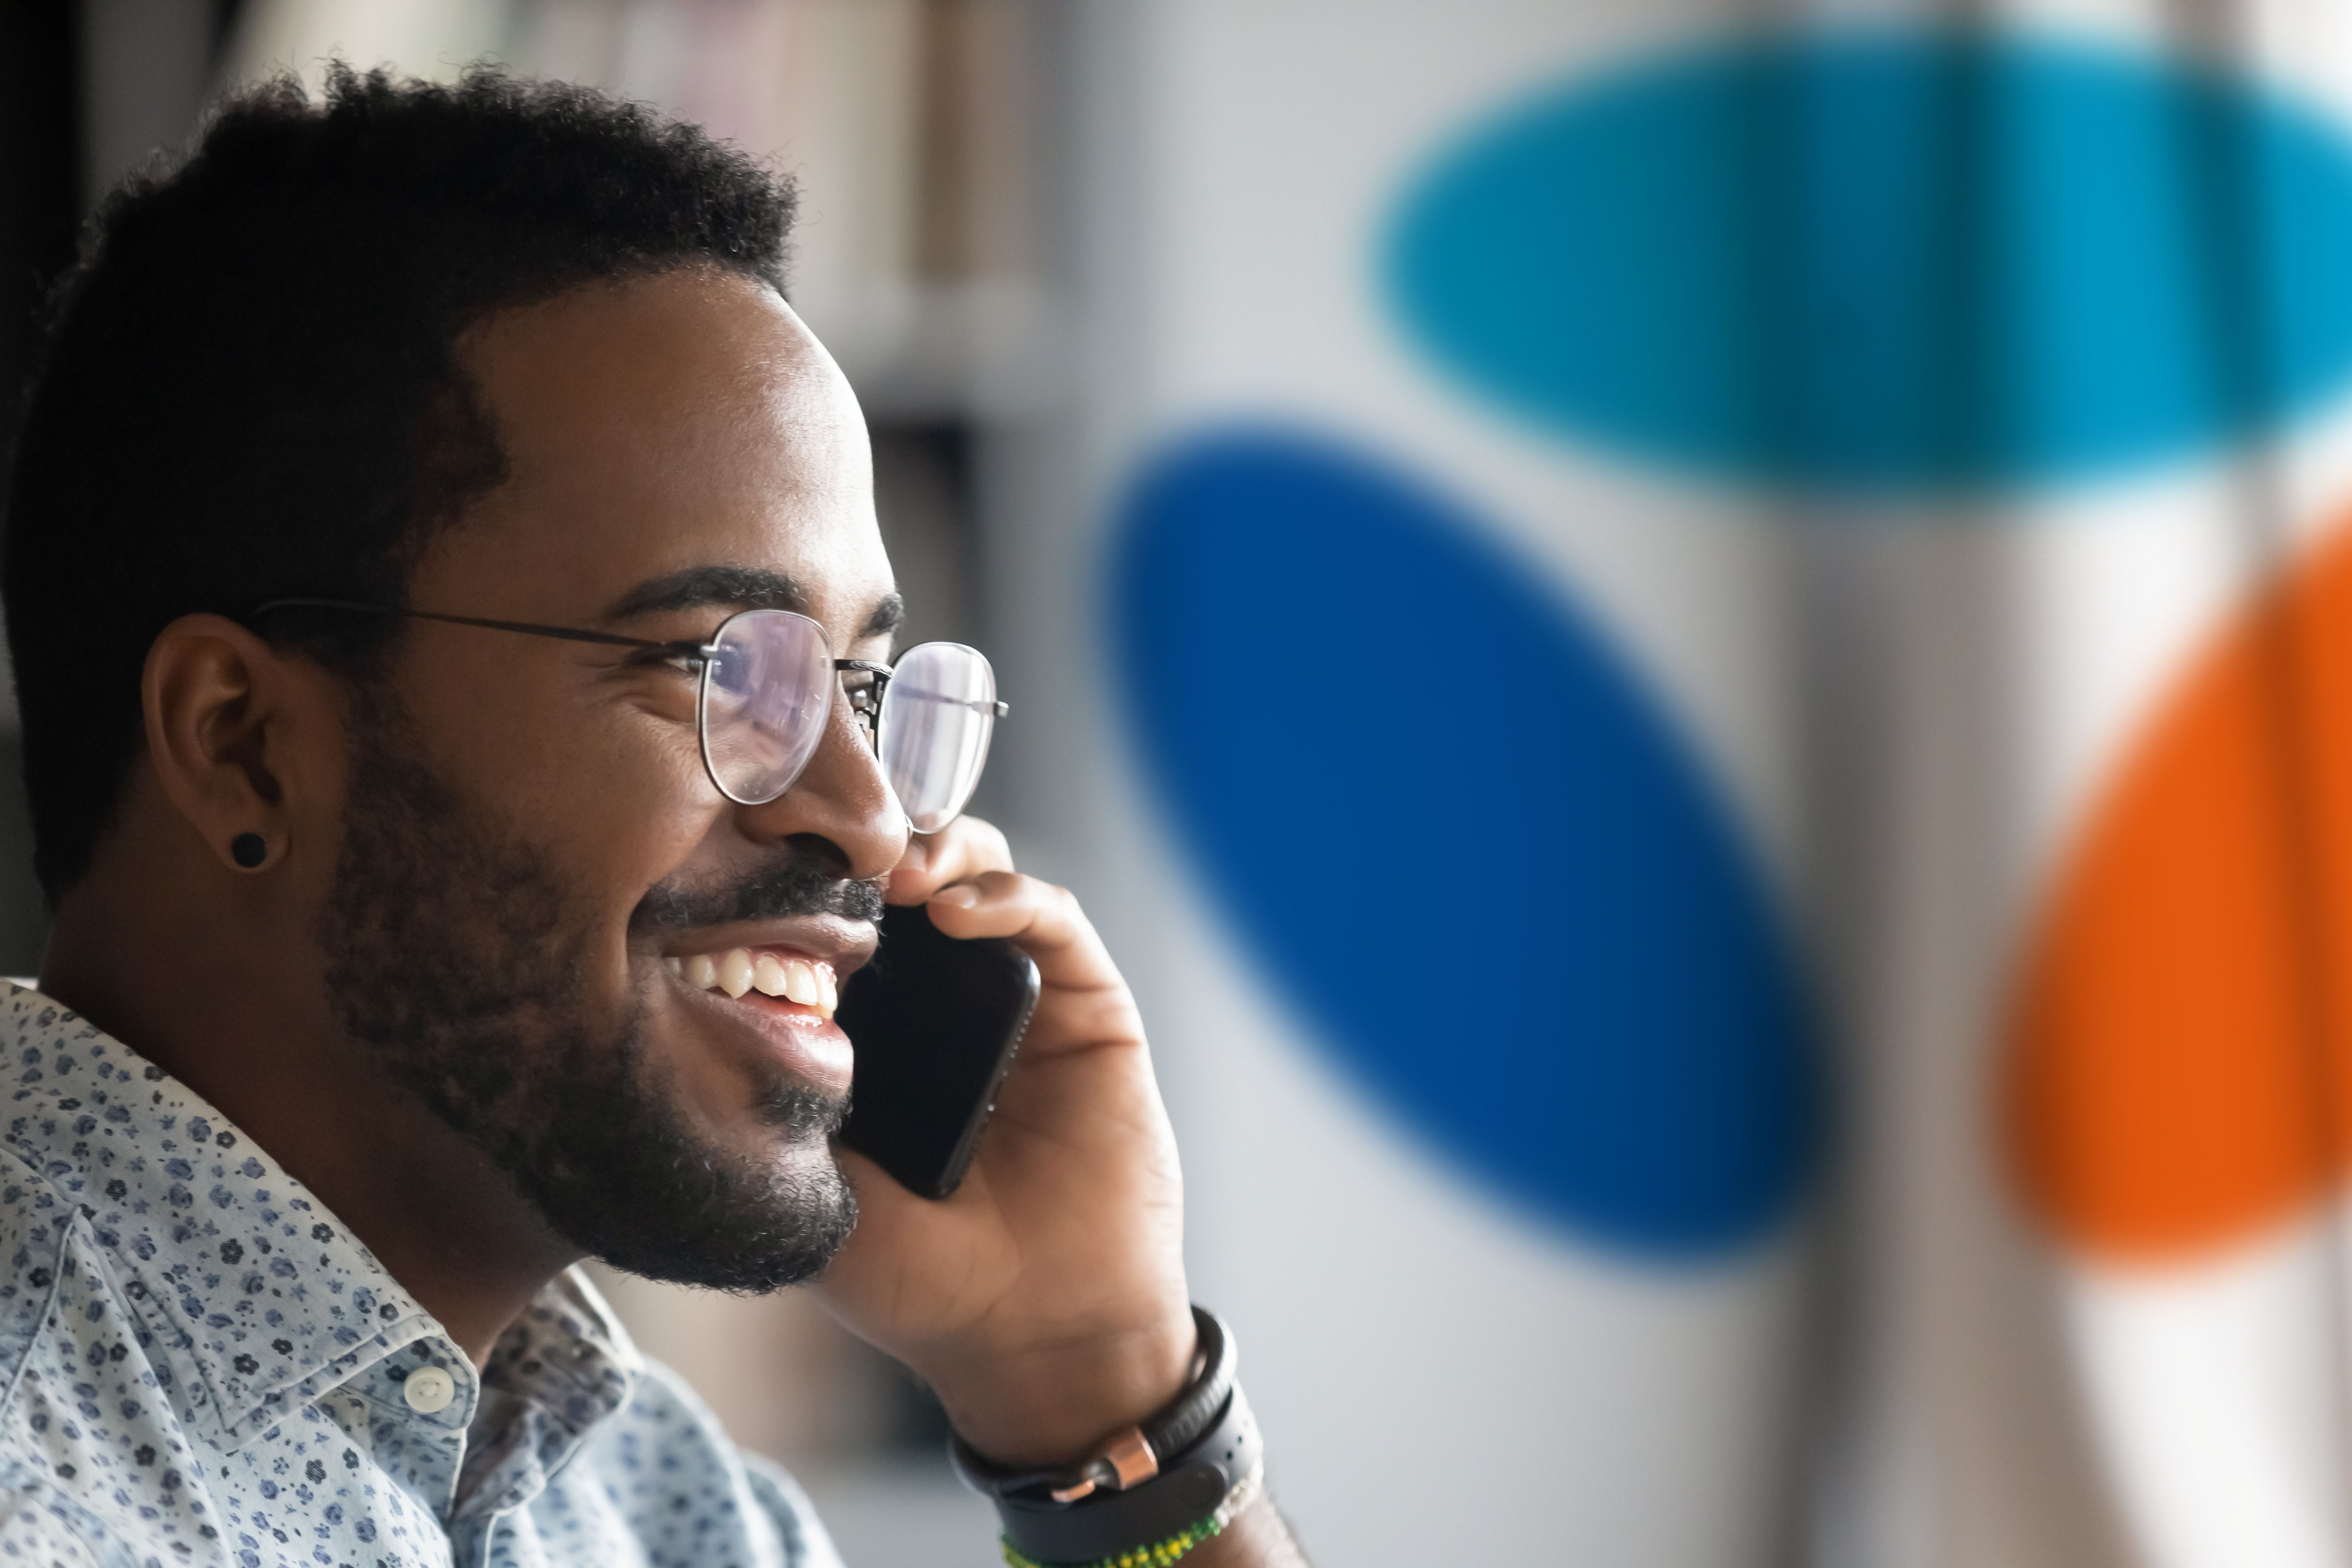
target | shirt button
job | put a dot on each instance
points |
(428, 1390)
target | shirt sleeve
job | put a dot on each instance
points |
(806, 1544)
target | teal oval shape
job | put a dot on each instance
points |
(1890, 260)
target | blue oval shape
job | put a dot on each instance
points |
(1891, 261)
(1462, 837)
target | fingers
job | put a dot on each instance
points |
(964, 873)
(1044, 920)
(963, 849)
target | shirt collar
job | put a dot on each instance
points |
(567, 1353)
(232, 1263)
(558, 1372)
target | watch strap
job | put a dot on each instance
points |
(1191, 1486)
(1133, 1456)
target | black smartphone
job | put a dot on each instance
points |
(934, 1022)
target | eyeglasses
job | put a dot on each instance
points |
(766, 686)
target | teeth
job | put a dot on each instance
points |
(771, 977)
(735, 973)
(740, 970)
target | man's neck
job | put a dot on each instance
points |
(257, 1039)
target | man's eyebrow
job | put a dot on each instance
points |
(739, 587)
(889, 615)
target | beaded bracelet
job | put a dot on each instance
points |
(1159, 1554)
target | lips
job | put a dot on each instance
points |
(769, 971)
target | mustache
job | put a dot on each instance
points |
(802, 885)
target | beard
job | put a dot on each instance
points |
(462, 960)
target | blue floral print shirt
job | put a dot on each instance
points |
(198, 1365)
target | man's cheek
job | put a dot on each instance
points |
(712, 1093)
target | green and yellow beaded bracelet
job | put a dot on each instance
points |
(1159, 1554)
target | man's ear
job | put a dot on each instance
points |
(223, 711)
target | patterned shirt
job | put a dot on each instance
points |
(199, 1365)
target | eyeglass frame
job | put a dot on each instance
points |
(694, 652)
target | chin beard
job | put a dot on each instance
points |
(457, 957)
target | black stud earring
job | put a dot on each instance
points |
(248, 851)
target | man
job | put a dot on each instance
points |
(400, 960)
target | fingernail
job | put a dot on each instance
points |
(961, 897)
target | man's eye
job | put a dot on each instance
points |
(671, 663)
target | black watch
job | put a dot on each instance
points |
(1164, 1476)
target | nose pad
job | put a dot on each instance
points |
(864, 728)
(865, 713)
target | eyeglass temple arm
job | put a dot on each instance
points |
(692, 648)
(883, 676)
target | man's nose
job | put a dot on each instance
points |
(841, 797)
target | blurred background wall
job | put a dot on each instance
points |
(1697, 654)
(1046, 241)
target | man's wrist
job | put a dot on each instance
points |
(1156, 1492)
(1257, 1536)
(1055, 1404)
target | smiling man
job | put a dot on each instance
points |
(443, 583)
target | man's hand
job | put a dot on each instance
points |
(1044, 1302)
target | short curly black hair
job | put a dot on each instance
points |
(249, 388)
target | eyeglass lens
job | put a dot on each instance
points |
(938, 713)
(768, 687)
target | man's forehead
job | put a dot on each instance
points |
(683, 381)
(679, 442)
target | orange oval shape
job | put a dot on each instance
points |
(2178, 1073)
